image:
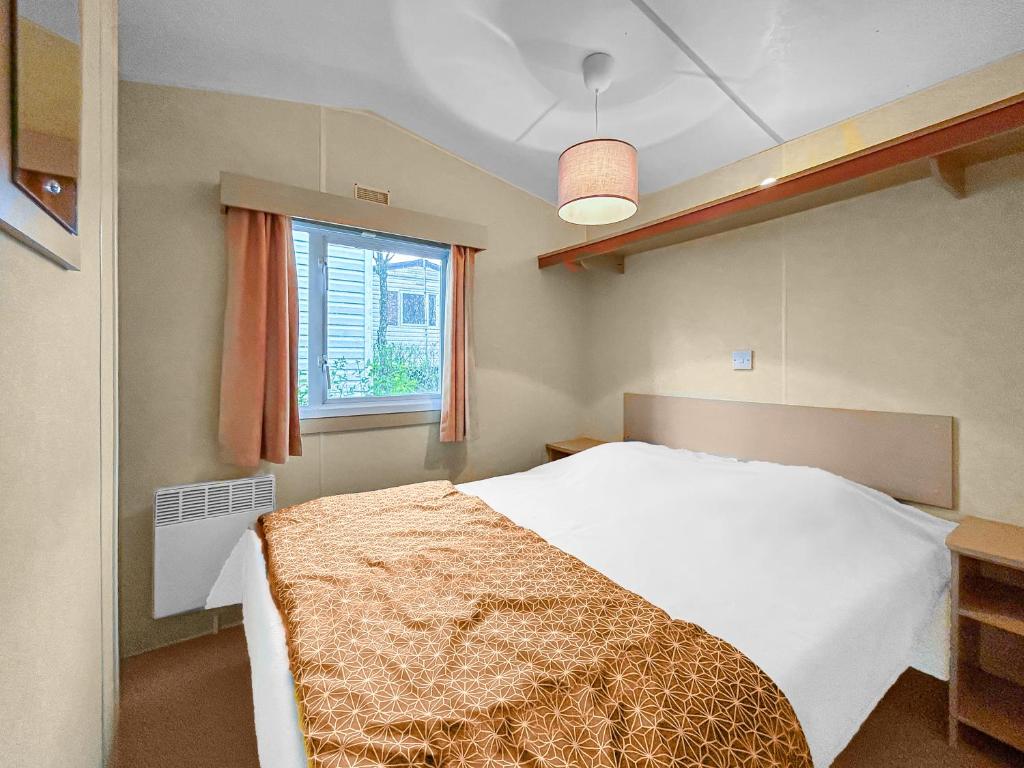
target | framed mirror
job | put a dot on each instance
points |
(47, 95)
(40, 125)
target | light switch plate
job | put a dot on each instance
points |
(743, 360)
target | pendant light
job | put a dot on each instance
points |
(597, 178)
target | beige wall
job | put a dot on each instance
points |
(57, 470)
(905, 299)
(174, 143)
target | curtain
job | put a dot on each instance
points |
(259, 408)
(457, 346)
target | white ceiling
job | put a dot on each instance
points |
(498, 82)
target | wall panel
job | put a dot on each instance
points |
(174, 143)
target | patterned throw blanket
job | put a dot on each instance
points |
(426, 629)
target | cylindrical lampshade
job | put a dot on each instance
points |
(597, 182)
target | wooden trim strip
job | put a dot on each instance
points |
(261, 195)
(366, 421)
(929, 142)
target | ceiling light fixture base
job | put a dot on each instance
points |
(597, 71)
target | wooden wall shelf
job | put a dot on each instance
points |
(941, 150)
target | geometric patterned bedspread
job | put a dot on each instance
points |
(424, 628)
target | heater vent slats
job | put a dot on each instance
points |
(218, 500)
(193, 503)
(188, 503)
(264, 491)
(167, 507)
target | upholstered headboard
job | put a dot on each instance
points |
(909, 456)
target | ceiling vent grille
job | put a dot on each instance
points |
(188, 503)
(381, 196)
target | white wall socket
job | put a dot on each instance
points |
(743, 360)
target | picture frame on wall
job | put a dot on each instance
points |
(40, 126)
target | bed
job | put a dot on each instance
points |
(831, 587)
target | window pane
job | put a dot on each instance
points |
(412, 308)
(380, 301)
(301, 241)
(347, 309)
(405, 354)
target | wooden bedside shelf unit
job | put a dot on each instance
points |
(986, 686)
(565, 448)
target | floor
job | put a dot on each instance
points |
(191, 705)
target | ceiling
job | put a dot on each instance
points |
(497, 82)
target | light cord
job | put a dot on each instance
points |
(596, 133)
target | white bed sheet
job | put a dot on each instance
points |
(833, 589)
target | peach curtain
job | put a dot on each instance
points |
(457, 347)
(259, 409)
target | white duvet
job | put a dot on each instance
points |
(830, 587)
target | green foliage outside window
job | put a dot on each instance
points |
(396, 369)
(400, 369)
(303, 389)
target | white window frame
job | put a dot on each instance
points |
(322, 406)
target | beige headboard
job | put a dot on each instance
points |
(909, 456)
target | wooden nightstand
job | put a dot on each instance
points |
(565, 448)
(986, 684)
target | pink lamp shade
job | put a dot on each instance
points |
(597, 182)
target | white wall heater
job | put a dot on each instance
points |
(194, 528)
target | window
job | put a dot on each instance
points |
(369, 321)
(417, 309)
(413, 309)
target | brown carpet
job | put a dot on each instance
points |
(187, 706)
(190, 705)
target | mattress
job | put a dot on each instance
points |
(833, 589)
